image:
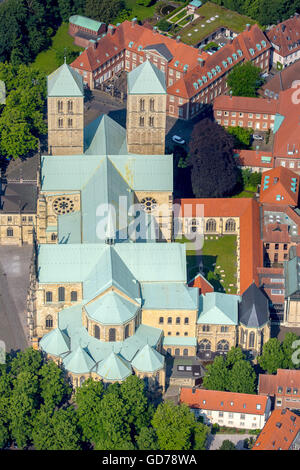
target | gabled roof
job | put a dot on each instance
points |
(111, 309)
(279, 431)
(280, 186)
(203, 285)
(286, 36)
(169, 296)
(104, 136)
(253, 308)
(245, 104)
(85, 22)
(162, 49)
(268, 384)
(146, 79)
(55, 342)
(218, 309)
(114, 367)
(148, 360)
(65, 81)
(79, 361)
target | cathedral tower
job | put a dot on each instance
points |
(65, 112)
(146, 110)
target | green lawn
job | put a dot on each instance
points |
(137, 11)
(46, 60)
(215, 252)
(228, 18)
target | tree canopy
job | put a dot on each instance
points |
(279, 355)
(104, 11)
(214, 172)
(245, 79)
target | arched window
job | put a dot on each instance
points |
(126, 331)
(223, 345)
(177, 333)
(61, 294)
(112, 334)
(161, 319)
(211, 225)
(186, 321)
(185, 352)
(151, 104)
(48, 296)
(70, 123)
(230, 225)
(70, 106)
(10, 232)
(142, 121)
(49, 321)
(169, 320)
(96, 332)
(151, 121)
(177, 320)
(60, 122)
(205, 345)
(251, 339)
(142, 105)
(74, 296)
(60, 106)
(242, 336)
(177, 352)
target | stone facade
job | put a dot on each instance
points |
(146, 124)
(173, 323)
(253, 339)
(161, 207)
(65, 125)
(17, 229)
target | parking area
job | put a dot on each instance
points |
(214, 441)
(14, 283)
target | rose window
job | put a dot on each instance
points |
(63, 205)
(148, 204)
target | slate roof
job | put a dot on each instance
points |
(65, 81)
(253, 308)
(146, 78)
(18, 197)
(162, 49)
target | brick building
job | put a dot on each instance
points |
(285, 40)
(84, 29)
(194, 78)
(281, 432)
(283, 388)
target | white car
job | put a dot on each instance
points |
(257, 137)
(178, 139)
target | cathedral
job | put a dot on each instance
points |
(109, 290)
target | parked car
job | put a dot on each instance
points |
(265, 75)
(178, 139)
(257, 137)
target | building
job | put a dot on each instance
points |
(219, 217)
(283, 388)
(292, 292)
(238, 410)
(203, 285)
(280, 186)
(281, 432)
(85, 30)
(193, 77)
(283, 80)
(271, 281)
(251, 113)
(284, 38)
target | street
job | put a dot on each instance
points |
(14, 282)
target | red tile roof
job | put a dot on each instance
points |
(268, 384)
(276, 233)
(283, 80)
(278, 182)
(244, 104)
(253, 158)
(279, 431)
(250, 243)
(224, 401)
(286, 36)
(202, 283)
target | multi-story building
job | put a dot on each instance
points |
(285, 41)
(193, 77)
(281, 432)
(238, 410)
(252, 113)
(85, 30)
(283, 388)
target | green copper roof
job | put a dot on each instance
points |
(218, 309)
(104, 136)
(146, 79)
(114, 368)
(277, 122)
(165, 295)
(179, 341)
(85, 22)
(79, 361)
(111, 309)
(69, 228)
(292, 276)
(65, 81)
(55, 342)
(148, 360)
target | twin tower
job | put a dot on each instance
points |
(146, 111)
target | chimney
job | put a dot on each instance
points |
(133, 22)
(201, 62)
(155, 29)
(110, 30)
(178, 38)
(248, 26)
(230, 94)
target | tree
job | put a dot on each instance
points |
(147, 439)
(54, 389)
(234, 355)
(241, 378)
(174, 426)
(216, 377)
(214, 171)
(227, 445)
(132, 392)
(29, 360)
(88, 400)
(245, 79)
(104, 11)
(200, 436)
(56, 430)
(288, 350)
(242, 136)
(272, 357)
